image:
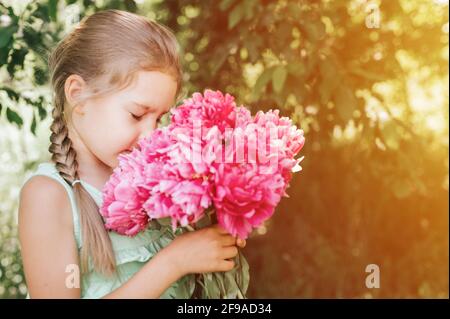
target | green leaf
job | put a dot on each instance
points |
(235, 16)
(391, 135)
(345, 103)
(40, 75)
(295, 9)
(6, 35)
(32, 37)
(12, 15)
(212, 286)
(230, 284)
(220, 278)
(17, 60)
(248, 8)
(278, 78)
(279, 100)
(203, 222)
(234, 283)
(167, 221)
(182, 288)
(262, 81)
(52, 9)
(314, 30)
(226, 4)
(219, 58)
(42, 12)
(329, 80)
(366, 74)
(200, 293)
(13, 95)
(13, 117)
(4, 56)
(253, 45)
(244, 278)
(42, 112)
(33, 125)
(130, 5)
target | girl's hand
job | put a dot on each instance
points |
(241, 242)
(206, 250)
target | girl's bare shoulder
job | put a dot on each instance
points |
(43, 197)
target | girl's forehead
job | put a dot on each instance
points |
(146, 81)
(152, 88)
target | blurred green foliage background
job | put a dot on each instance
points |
(367, 81)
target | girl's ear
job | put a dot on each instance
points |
(74, 87)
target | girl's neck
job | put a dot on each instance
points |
(95, 175)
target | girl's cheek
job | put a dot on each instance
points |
(121, 132)
(124, 138)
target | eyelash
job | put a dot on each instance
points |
(137, 118)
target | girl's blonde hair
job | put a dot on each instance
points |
(106, 49)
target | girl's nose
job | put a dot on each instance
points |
(147, 130)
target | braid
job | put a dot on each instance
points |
(63, 155)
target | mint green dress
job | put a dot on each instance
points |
(131, 253)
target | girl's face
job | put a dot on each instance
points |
(113, 124)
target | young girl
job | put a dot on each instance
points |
(113, 78)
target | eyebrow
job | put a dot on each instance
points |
(143, 106)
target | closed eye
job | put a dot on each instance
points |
(139, 117)
(136, 117)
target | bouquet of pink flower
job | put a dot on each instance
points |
(214, 160)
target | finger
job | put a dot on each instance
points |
(226, 265)
(241, 242)
(228, 240)
(229, 252)
(220, 229)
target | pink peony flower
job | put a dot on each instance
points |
(288, 140)
(160, 182)
(213, 154)
(251, 183)
(244, 198)
(213, 108)
(123, 198)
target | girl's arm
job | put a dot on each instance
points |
(50, 255)
(47, 242)
(150, 281)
